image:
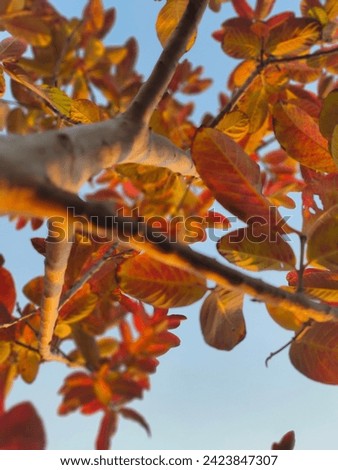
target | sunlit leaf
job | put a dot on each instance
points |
(21, 428)
(33, 290)
(256, 251)
(31, 29)
(221, 319)
(169, 18)
(159, 284)
(322, 248)
(84, 111)
(293, 36)
(28, 365)
(239, 40)
(5, 350)
(230, 174)
(315, 353)
(307, 146)
(293, 317)
(234, 124)
(79, 306)
(254, 104)
(317, 283)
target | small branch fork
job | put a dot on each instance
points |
(259, 69)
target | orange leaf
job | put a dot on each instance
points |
(33, 290)
(7, 290)
(263, 8)
(30, 28)
(329, 114)
(231, 175)
(168, 19)
(292, 36)
(307, 145)
(159, 284)
(21, 428)
(239, 41)
(315, 353)
(256, 251)
(318, 283)
(222, 320)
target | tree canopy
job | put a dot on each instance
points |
(121, 256)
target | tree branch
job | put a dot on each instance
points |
(260, 67)
(153, 89)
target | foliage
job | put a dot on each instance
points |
(70, 76)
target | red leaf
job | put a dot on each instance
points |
(128, 413)
(287, 442)
(242, 8)
(7, 289)
(107, 429)
(21, 428)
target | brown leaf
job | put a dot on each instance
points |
(222, 320)
(12, 48)
(107, 429)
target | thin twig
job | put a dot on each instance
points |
(299, 332)
(300, 271)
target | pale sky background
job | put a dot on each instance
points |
(200, 398)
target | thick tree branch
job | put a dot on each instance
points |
(152, 91)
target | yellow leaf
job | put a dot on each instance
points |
(62, 330)
(256, 251)
(329, 114)
(293, 318)
(254, 104)
(235, 125)
(84, 111)
(293, 36)
(5, 350)
(28, 365)
(169, 18)
(33, 290)
(239, 40)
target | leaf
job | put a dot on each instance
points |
(315, 353)
(263, 8)
(329, 115)
(5, 350)
(334, 145)
(30, 28)
(317, 283)
(12, 48)
(128, 413)
(254, 104)
(243, 8)
(28, 365)
(307, 145)
(21, 428)
(287, 442)
(7, 289)
(79, 306)
(221, 319)
(322, 248)
(234, 124)
(159, 284)
(292, 36)
(294, 318)
(256, 251)
(168, 19)
(33, 290)
(108, 427)
(231, 175)
(239, 41)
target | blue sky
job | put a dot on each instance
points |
(200, 398)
